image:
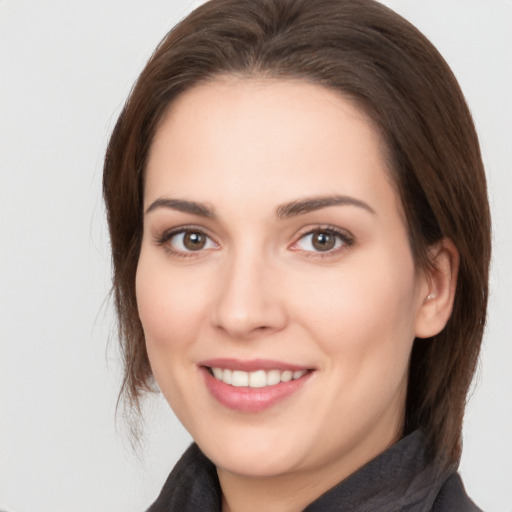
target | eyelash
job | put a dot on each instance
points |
(346, 239)
(166, 236)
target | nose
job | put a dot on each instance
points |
(250, 301)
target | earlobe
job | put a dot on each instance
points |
(439, 290)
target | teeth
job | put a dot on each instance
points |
(227, 376)
(286, 376)
(257, 379)
(217, 372)
(273, 377)
(240, 379)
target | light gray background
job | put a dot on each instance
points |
(66, 68)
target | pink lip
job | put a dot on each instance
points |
(246, 399)
(252, 365)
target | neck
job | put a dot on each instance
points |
(294, 490)
(287, 493)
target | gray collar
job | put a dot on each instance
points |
(400, 479)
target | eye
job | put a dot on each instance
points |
(322, 240)
(187, 241)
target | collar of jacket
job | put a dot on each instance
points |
(400, 479)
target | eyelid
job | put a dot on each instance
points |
(163, 238)
(346, 237)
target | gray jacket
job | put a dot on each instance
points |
(399, 479)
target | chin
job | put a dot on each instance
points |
(254, 464)
(252, 454)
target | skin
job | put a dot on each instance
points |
(259, 288)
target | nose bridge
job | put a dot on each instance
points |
(248, 300)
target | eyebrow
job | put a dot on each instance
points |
(182, 205)
(284, 211)
(310, 204)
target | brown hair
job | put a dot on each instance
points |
(371, 55)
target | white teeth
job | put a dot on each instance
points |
(227, 376)
(240, 379)
(286, 376)
(256, 379)
(273, 377)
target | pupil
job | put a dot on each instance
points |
(194, 241)
(323, 241)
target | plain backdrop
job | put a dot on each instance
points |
(66, 69)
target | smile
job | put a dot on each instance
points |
(255, 379)
(253, 386)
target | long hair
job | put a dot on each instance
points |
(369, 54)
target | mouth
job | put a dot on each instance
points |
(255, 379)
(253, 386)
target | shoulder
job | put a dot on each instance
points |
(192, 486)
(452, 497)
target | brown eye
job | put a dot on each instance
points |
(187, 241)
(323, 240)
(194, 241)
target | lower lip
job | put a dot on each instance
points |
(246, 399)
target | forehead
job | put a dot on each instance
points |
(226, 100)
(264, 137)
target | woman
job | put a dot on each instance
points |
(301, 239)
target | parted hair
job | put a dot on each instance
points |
(375, 58)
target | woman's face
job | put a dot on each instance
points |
(274, 248)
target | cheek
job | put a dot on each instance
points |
(365, 310)
(169, 305)
(170, 310)
(362, 320)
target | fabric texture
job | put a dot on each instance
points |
(397, 480)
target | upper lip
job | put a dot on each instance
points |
(252, 365)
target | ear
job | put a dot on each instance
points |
(438, 292)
